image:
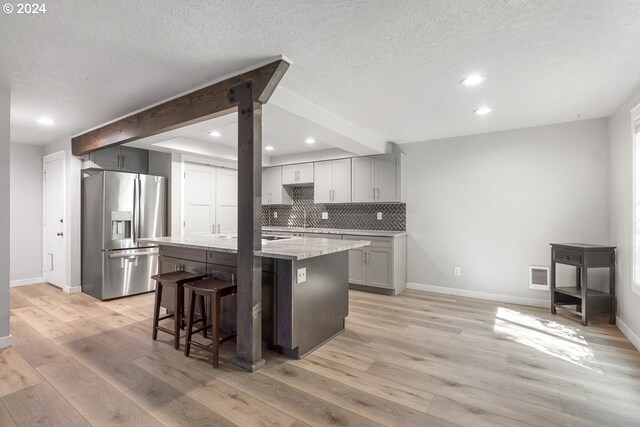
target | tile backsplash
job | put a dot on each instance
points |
(363, 216)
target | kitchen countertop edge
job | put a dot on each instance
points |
(313, 249)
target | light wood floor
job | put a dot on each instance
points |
(415, 360)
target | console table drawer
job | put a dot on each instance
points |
(567, 257)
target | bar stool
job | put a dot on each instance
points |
(215, 289)
(175, 280)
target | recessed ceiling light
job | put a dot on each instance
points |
(215, 134)
(269, 148)
(310, 141)
(46, 121)
(483, 110)
(472, 80)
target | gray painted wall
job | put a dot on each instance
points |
(26, 212)
(621, 196)
(5, 150)
(492, 203)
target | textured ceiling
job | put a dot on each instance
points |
(390, 67)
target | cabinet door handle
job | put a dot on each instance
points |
(566, 258)
(218, 228)
(122, 161)
(118, 160)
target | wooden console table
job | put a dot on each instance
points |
(587, 301)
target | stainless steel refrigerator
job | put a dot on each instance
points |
(118, 209)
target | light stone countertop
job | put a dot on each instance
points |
(294, 248)
(372, 233)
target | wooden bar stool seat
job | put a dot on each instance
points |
(175, 280)
(215, 289)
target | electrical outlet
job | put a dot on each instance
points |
(379, 216)
(275, 214)
(457, 271)
(302, 275)
(325, 215)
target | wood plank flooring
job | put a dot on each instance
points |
(417, 359)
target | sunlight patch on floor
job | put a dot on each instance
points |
(548, 337)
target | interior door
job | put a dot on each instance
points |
(362, 177)
(387, 189)
(54, 209)
(199, 201)
(341, 181)
(227, 200)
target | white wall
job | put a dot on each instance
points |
(26, 214)
(492, 203)
(620, 188)
(72, 221)
(5, 150)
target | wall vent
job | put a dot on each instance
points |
(539, 277)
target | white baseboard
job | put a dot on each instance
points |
(72, 289)
(479, 295)
(635, 339)
(5, 342)
(23, 282)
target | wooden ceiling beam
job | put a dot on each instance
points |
(197, 106)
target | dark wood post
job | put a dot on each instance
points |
(249, 299)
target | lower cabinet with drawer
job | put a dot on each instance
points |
(381, 267)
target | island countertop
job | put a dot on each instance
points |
(293, 248)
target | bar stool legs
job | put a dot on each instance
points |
(156, 310)
(176, 281)
(215, 329)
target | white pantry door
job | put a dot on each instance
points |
(54, 220)
(199, 198)
(227, 200)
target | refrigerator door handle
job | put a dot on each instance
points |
(136, 209)
(139, 254)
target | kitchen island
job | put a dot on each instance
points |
(305, 283)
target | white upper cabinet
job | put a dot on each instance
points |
(363, 182)
(297, 174)
(332, 181)
(273, 193)
(378, 178)
(323, 182)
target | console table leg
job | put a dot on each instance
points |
(585, 287)
(552, 284)
(612, 291)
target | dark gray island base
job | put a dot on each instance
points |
(298, 315)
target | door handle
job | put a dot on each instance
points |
(218, 228)
(60, 234)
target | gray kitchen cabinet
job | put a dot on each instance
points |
(297, 174)
(273, 193)
(381, 267)
(378, 178)
(134, 160)
(358, 266)
(332, 181)
(123, 159)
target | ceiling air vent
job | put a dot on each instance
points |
(539, 278)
